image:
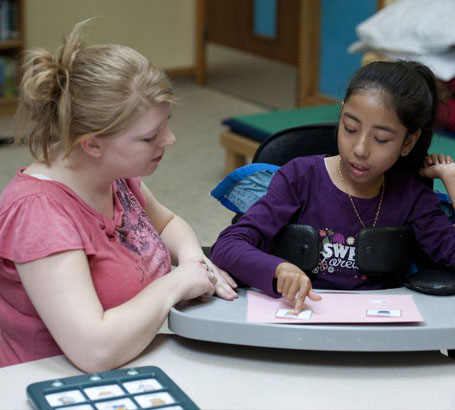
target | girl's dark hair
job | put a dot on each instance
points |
(411, 90)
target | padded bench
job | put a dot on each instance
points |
(244, 133)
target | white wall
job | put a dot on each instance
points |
(162, 30)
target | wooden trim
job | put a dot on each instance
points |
(320, 99)
(237, 149)
(308, 53)
(7, 106)
(200, 68)
(8, 44)
(180, 72)
(381, 4)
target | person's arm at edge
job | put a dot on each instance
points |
(441, 166)
(61, 289)
(182, 241)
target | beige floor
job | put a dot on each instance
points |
(252, 78)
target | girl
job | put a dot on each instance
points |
(384, 131)
(86, 249)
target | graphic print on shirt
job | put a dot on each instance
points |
(139, 236)
(337, 252)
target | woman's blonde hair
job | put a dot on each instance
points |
(82, 91)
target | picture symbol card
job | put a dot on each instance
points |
(384, 312)
(291, 314)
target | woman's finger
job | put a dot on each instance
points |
(223, 290)
(228, 278)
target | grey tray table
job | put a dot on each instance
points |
(225, 322)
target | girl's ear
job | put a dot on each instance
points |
(91, 146)
(409, 142)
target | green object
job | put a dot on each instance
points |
(445, 144)
(262, 125)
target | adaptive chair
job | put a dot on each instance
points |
(385, 252)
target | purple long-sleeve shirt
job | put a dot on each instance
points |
(302, 192)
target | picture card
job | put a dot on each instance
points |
(119, 404)
(384, 312)
(103, 392)
(142, 386)
(291, 314)
(154, 399)
(335, 307)
(65, 397)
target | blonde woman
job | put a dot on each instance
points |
(86, 249)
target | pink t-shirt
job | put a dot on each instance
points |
(41, 217)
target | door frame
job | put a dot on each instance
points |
(307, 82)
(308, 50)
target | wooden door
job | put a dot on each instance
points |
(232, 23)
(297, 40)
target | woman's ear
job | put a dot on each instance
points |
(409, 142)
(91, 146)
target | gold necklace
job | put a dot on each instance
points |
(352, 202)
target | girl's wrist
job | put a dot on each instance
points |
(448, 173)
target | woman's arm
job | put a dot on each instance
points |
(183, 243)
(61, 289)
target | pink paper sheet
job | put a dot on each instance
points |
(335, 308)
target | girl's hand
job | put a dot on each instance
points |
(438, 166)
(294, 285)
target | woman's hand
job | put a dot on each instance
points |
(195, 279)
(203, 269)
(225, 285)
(438, 166)
(294, 285)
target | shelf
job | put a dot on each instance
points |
(11, 44)
(12, 47)
(7, 106)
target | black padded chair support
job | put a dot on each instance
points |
(383, 252)
(301, 141)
